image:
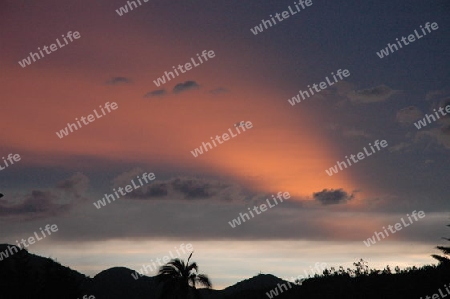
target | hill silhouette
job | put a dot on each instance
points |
(25, 275)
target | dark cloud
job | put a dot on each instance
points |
(154, 190)
(190, 189)
(35, 205)
(332, 196)
(44, 203)
(240, 124)
(190, 202)
(118, 80)
(158, 190)
(156, 93)
(209, 220)
(188, 85)
(184, 188)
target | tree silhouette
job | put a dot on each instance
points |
(446, 250)
(179, 279)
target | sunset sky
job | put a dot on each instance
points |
(251, 77)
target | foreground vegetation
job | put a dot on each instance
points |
(24, 275)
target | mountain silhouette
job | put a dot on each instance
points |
(117, 283)
(259, 282)
(24, 275)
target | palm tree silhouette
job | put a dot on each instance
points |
(179, 280)
(446, 250)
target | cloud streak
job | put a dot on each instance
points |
(156, 93)
(118, 80)
(376, 94)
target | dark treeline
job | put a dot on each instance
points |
(24, 275)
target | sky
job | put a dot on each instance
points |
(251, 78)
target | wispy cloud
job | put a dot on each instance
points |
(354, 133)
(408, 115)
(219, 90)
(118, 80)
(156, 93)
(379, 93)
